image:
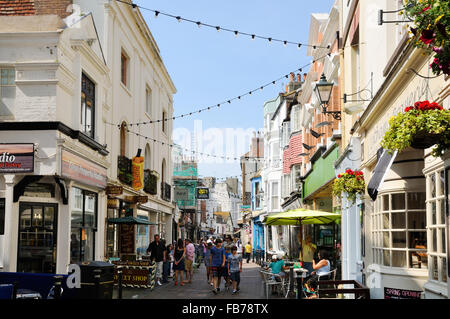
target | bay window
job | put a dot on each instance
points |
(399, 230)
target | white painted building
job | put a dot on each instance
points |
(66, 85)
(274, 114)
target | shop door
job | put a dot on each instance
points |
(37, 237)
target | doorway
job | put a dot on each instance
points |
(37, 237)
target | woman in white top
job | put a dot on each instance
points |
(320, 269)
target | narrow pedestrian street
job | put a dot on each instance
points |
(251, 287)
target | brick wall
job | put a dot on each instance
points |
(17, 7)
(35, 7)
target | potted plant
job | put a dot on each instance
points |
(431, 30)
(351, 183)
(419, 126)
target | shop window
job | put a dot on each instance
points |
(142, 237)
(87, 106)
(83, 225)
(437, 249)
(2, 216)
(7, 91)
(399, 230)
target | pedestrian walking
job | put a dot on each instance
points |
(178, 264)
(217, 263)
(235, 268)
(166, 265)
(225, 272)
(248, 251)
(169, 256)
(209, 276)
(157, 252)
(189, 260)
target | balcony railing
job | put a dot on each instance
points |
(166, 191)
(150, 182)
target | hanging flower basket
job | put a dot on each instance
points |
(420, 126)
(351, 183)
(431, 30)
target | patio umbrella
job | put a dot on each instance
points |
(130, 220)
(300, 217)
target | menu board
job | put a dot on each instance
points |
(127, 239)
(135, 273)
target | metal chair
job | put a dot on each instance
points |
(270, 280)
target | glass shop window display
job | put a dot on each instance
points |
(84, 225)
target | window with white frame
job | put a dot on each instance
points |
(295, 118)
(437, 252)
(125, 69)
(399, 230)
(295, 177)
(7, 91)
(275, 198)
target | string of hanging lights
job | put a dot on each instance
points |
(219, 28)
(191, 151)
(228, 101)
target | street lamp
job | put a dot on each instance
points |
(323, 91)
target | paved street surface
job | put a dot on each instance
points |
(251, 287)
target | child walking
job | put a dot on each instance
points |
(235, 268)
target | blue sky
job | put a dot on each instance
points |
(209, 67)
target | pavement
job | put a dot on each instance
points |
(251, 286)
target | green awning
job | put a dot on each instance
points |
(301, 216)
(130, 220)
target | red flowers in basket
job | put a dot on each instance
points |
(424, 106)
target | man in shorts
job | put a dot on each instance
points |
(217, 262)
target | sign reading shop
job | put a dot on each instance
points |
(16, 158)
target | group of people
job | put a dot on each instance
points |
(315, 269)
(222, 259)
(172, 260)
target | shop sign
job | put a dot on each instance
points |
(394, 293)
(202, 193)
(81, 170)
(127, 239)
(114, 190)
(16, 158)
(137, 170)
(136, 199)
(181, 194)
(113, 203)
(134, 273)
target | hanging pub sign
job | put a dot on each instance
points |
(137, 170)
(16, 158)
(114, 190)
(202, 193)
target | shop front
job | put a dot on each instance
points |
(50, 204)
(318, 184)
(405, 221)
